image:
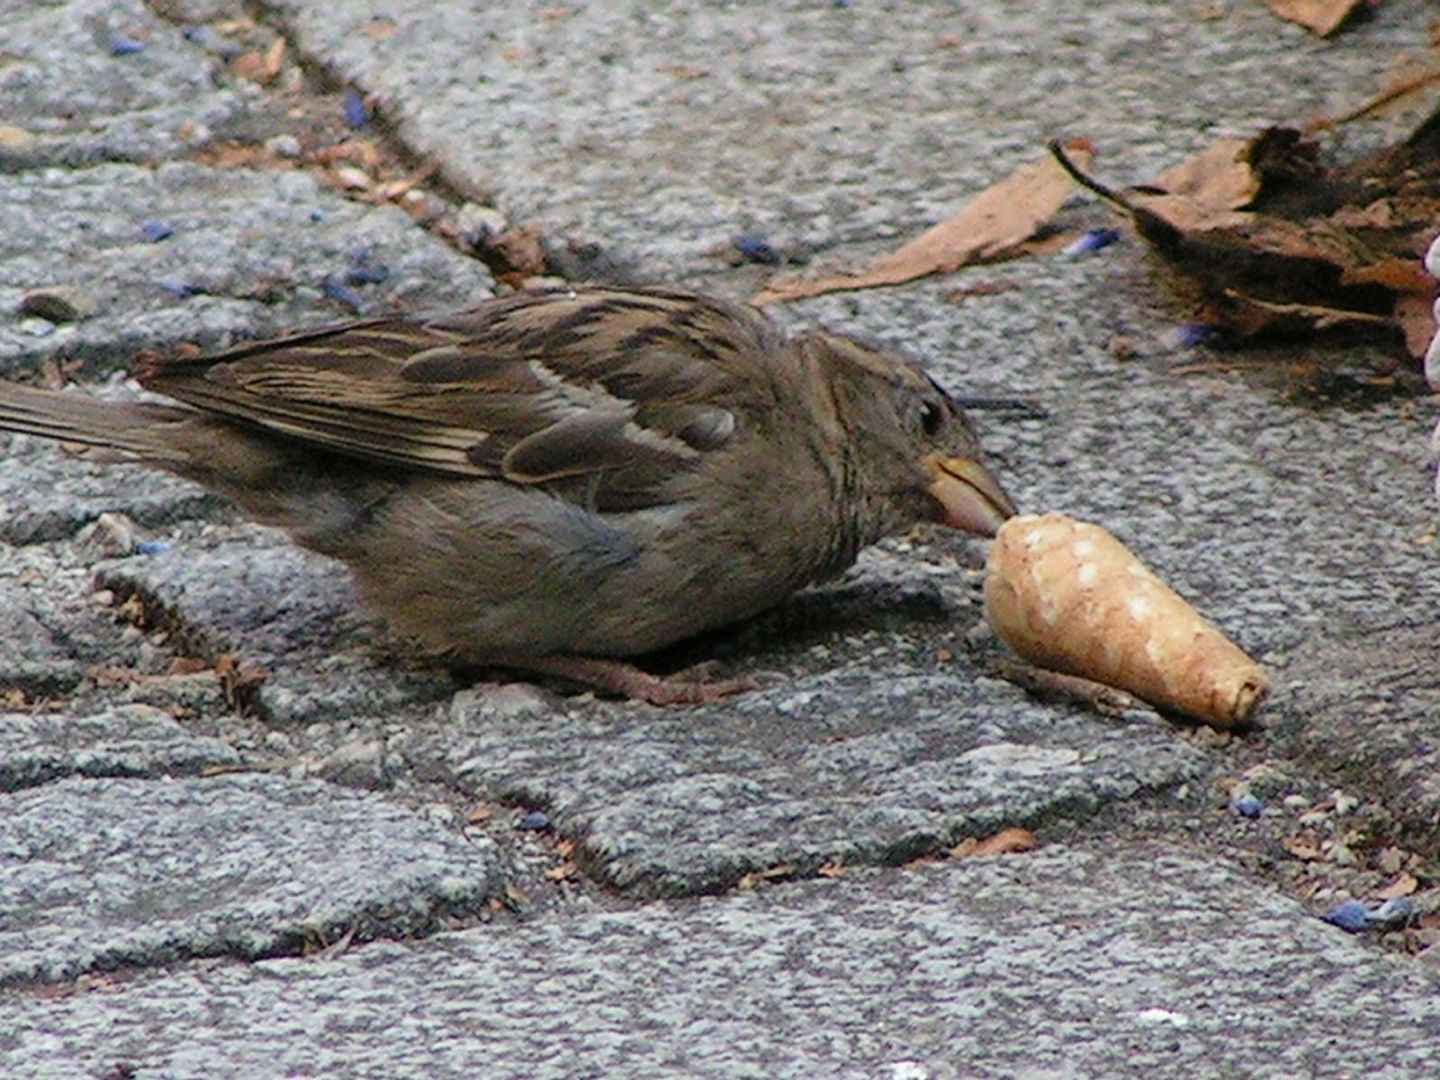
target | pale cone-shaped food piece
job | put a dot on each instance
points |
(1068, 596)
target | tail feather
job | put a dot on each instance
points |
(79, 418)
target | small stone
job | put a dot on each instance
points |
(1344, 804)
(352, 177)
(58, 303)
(476, 220)
(1341, 855)
(16, 138)
(283, 146)
(110, 536)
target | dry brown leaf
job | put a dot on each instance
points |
(1322, 17)
(1304, 846)
(1004, 842)
(563, 872)
(379, 28)
(1267, 239)
(515, 895)
(995, 225)
(1416, 316)
(1217, 178)
(1403, 885)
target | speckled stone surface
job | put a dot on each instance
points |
(1067, 963)
(109, 873)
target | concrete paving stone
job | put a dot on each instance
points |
(131, 740)
(69, 82)
(106, 873)
(249, 593)
(33, 658)
(1103, 961)
(249, 255)
(866, 761)
(47, 494)
(661, 132)
(1371, 719)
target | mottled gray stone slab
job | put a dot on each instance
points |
(1110, 962)
(255, 246)
(131, 740)
(868, 761)
(84, 100)
(46, 494)
(268, 603)
(663, 131)
(32, 657)
(99, 874)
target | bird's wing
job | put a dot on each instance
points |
(603, 395)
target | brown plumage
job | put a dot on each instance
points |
(564, 475)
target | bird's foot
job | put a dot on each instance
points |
(628, 681)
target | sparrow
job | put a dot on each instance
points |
(555, 481)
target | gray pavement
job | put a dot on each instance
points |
(360, 866)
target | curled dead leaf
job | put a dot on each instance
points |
(1321, 17)
(1403, 885)
(1005, 842)
(997, 224)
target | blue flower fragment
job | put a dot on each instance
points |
(756, 249)
(153, 547)
(182, 289)
(533, 821)
(152, 232)
(335, 289)
(366, 275)
(1189, 336)
(1091, 241)
(1246, 806)
(124, 45)
(357, 114)
(1351, 916)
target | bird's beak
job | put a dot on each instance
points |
(972, 499)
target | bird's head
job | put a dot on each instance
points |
(910, 445)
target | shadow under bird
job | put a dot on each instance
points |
(553, 481)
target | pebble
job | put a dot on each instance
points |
(283, 146)
(58, 303)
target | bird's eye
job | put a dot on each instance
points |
(932, 417)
